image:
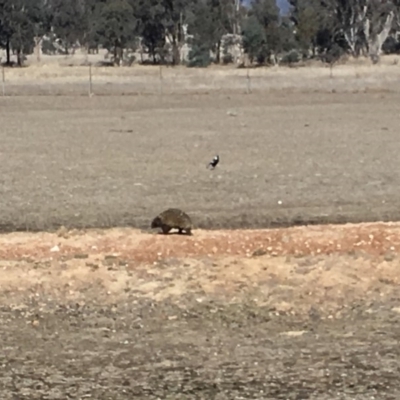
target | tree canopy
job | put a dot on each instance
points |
(312, 28)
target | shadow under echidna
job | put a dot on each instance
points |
(173, 218)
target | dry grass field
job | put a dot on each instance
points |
(286, 158)
(228, 313)
(60, 75)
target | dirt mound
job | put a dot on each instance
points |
(375, 239)
(291, 270)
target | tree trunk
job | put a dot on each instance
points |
(141, 51)
(238, 28)
(121, 55)
(117, 54)
(351, 39)
(19, 57)
(176, 57)
(376, 40)
(38, 47)
(8, 62)
(352, 27)
(86, 52)
(218, 53)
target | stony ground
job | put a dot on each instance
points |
(299, 313)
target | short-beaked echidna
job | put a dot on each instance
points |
(173, 218)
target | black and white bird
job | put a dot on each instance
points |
(214, 162)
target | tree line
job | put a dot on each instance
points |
(312, 28)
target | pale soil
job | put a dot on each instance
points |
(299, 313)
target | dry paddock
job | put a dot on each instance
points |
(286, 158)
(228, 313)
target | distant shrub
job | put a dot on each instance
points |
(128, 59)
(291, 58)
(199, 56)
(48, 46)
(391, 46)
(254, 40)
(230, 44)
(227, 59)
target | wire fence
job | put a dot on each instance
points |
(102, 81)
(93, 80)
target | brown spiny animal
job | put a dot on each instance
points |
(173, 218)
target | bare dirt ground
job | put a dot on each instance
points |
(286, 159)
(298, 313)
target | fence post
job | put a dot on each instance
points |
(248, 82)
(161, 80)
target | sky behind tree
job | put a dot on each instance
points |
(282, 4)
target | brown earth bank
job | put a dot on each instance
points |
(298, 313)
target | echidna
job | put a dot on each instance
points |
(173, 218)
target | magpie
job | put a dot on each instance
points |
(214, 162)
